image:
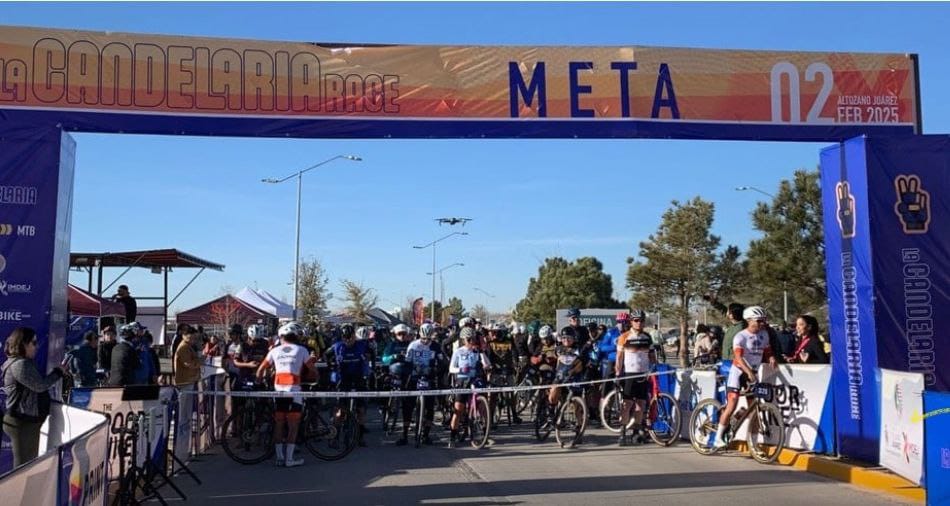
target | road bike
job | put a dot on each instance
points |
(765, 433)
(248, 434)
(568, 418)
(663, 414)
(476, 418)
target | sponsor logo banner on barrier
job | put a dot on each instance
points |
(82, 475)
(803, 395)
(692, 386)
(902, 437)
(936, 422)
(33, 484)
(658, 87)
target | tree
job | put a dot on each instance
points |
(729, 279)
(359, 300)
(791, 253)
(453, 308)
(562, 284)
(312, 293)
(480, 312)
(678, 263)
(227, 313)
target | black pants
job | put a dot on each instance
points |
(25, 439)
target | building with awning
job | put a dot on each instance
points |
(217, 315)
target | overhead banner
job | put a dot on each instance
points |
(908, 185)
(902, 434)
(136, 83)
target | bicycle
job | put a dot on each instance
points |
(662, 418)
(766, 429)
(326, 435)
(248, 434)
(503, 402)
(570, 416)
(477, 418)
(422, 385)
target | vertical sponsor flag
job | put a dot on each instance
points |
(418, 311)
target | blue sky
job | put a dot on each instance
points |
(530, 199)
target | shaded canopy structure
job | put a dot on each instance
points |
(83, 303)
(379, 318)
(221, 313)
(160, 261)
(264, 300)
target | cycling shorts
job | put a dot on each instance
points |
(285, 405)
(737, 380)
(635, 389)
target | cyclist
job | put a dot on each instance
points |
(571, 363)
(469, 365)
(290, 362)
(750, 347)
(423, 355)
(351, 359)
(501, 353)
(581, 334)
(396, 349)
(634, 357)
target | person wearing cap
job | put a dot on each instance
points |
(125, 359)
(581, 334)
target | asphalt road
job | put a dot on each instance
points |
(515, 469)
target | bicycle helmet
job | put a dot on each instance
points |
(754, 313)
(347, 332)
(567, 333)
(401, 328)
(467, 334)
(546, 332)
(497, 327)
(255, 332)
(288, 329)
(623, 316)
(362, 333)
(638, 314)
(426, 330)
(573, 313)
(466, 322)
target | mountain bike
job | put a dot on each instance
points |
(663, 414)
(476, 418)
(248, 434)
(326, 434)
(567, 419)
(766, 426)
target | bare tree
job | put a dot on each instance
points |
(226, 313)
(359, 300)
(479, 312)
(312, 293)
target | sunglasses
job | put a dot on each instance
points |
(636, 319)
(760, 321)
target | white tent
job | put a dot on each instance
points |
(263, 300)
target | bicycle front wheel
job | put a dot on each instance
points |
(542, 419)
(766, 433)
(664, 417)
(479, 423)
(249, 434)
(610, 412)
(524, 398)
(703, 424)
(571, 421)
(328, 437)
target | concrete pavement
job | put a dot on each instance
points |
(515, 469)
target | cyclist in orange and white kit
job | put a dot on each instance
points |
(634, 357)
(290, 361)
(750, 347)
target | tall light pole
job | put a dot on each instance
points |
(477, 289)
(784, 282)
(442, 282)
(432, 245)
(299, 175)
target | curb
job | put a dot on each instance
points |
(874, 479)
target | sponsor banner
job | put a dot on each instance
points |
(936, 420)
(418, 311)
(803, 395)
(606, 317)
(82, 470)
(902, 437)
(91, 80)
(692, 386)
(151, 441)
(32, 484)
(36, 168)
(850, 299)
(908, 181)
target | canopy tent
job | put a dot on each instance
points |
(83, 303)
(221, 313)
(379, 318)
(263, 300)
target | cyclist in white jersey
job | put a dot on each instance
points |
(750, 347)
(290, 362)
(634, 357)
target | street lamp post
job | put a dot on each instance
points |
(752, 188)
(784, 282)
(442, 281)
(299, 176)
(432, 245)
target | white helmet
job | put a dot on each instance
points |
(257, 331)
(401, 328)
(426, 330)
(362, 333)
(465, 322)
(754, 313)
(291, 328)
(519, 329)
(546, 331)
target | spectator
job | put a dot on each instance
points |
(27, 395)
(179, 335)
(810, 349)
(151, 366)
(213, 347)
(787, 340)
(81, 362)
(123, 297)
(706, 345)
(187, 360)
(125, 359)
(105, 350)
(734, 313)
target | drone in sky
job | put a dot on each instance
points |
(453, 221)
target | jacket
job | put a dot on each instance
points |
(187, 364)
(125, 362)
(22, 385)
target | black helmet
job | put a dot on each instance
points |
(236, 329)
(573, 313)
(347, 331)
(567, 332)
(592, 326)
(638, 313)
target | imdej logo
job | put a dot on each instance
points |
(7, 288)
(18, 195)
